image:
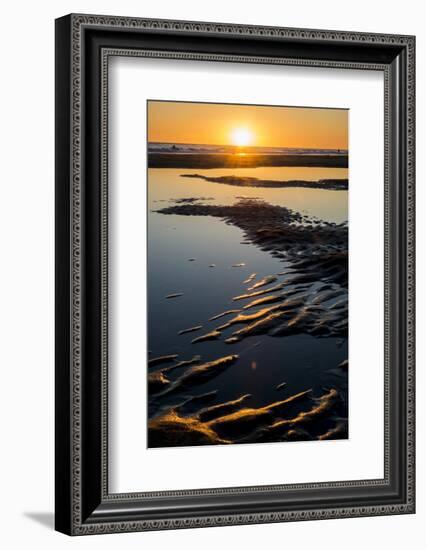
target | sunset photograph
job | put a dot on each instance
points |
(247, 273)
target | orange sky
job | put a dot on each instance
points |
(216, 123)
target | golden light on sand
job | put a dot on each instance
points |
(241, 137)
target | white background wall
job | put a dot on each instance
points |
(27, 261)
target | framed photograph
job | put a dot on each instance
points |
(234, 274)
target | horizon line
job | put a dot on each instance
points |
(246, 146)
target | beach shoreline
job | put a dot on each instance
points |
(244, 160)
(247, 274)
(239, 181)
(310, 297)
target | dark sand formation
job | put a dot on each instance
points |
(195, 375)
(302, 416)
(308, 297)
(163, 359)
(318, 252)
(189, 200)
(250, 279)
(194, 361)
(191, 329)
(213, 335)
(247, 160)
(263, 282)
(175, 295)
(330, 184)
(224, 313)
(286, 319)
(259, 292)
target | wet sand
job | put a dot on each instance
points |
(330, 184)
(309, 297)
(243, 160)
(282, 232)
(298, 417)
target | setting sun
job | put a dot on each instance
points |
(241, 137)
(246, 187)
(247, 125)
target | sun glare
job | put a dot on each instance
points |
(241, 137)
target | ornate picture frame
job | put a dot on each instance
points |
(84, 44)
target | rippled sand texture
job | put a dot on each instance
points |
(309, 297)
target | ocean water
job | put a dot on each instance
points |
(197, 148)
(166, 184)
(302, 361)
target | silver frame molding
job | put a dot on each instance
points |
(84, 44)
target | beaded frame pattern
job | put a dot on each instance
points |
(79, 22)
